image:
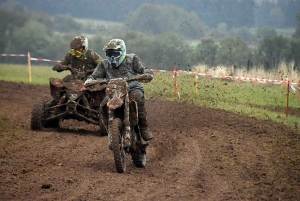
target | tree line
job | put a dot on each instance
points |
(48, 37)
(235, 13)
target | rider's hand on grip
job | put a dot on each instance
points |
(90, 82)
(59, 67)
(147, 77)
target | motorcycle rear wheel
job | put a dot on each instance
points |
(118, 146)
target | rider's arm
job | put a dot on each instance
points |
(63, 64)
(99, 73)
(140, 67)
(96, 58)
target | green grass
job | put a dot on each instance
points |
(19, 73)
(251, 99)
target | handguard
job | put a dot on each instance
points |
(142, 78)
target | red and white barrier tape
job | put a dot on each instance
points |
(162, 71)
(13, 55)
(41, 59)
(294, 90)
(258, 80)
(33, 59)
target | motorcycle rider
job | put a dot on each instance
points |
(81, 61)
(118, 64)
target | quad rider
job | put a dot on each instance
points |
(81, 61)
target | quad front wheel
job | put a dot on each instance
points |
(38, 115)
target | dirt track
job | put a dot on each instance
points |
(197, 154)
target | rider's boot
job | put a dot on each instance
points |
(143, 124)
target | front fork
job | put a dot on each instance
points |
(126, 123)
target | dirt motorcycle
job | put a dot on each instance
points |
(122, 123)
(69, 101)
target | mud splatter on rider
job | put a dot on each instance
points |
(118, 64)
(81, 61)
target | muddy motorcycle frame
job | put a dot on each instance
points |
(122, 123)
(69, 101)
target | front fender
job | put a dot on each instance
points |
(115, 102)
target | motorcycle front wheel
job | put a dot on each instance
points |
(118, 146)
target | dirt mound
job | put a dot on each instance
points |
(197, 154)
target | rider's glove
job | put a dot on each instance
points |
(89, 80)
(59, 67)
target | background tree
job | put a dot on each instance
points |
(272, 48)
(234, 51)
(10, 21)
(96, 43)
(262, 32)
(165, 19)
(32, 37)
(297, 31)
(205, 52)
(242, 32)
(292, 52)
(66, 23)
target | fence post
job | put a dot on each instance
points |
(196, 81)
(287, 99)
(176, 91)
(29, 66)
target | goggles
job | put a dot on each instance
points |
(113, 53)
(76, 53)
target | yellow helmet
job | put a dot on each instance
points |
(79, 46)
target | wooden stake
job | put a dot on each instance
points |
(287, 99)
(29, 67)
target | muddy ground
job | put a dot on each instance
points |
(197, 154)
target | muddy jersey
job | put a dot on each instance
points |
(86, 65)
(131, 66)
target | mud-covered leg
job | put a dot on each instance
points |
(138, 96)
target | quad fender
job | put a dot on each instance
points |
(97, 97)
(56, 85)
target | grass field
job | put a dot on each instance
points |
(262, 101)
(19, 73)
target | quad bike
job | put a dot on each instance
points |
(69, 101)
(122, 123)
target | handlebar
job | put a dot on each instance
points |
(141, 78)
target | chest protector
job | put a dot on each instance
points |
(125, 70)
(84, 64)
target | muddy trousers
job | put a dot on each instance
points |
(138, 96)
